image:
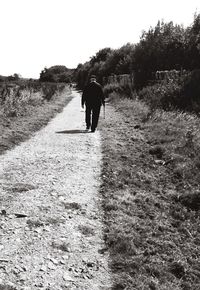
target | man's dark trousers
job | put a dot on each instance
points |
(94, 111)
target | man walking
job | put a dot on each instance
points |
(92, 98)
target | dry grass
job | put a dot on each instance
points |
(151, 197)
(19, 119)
(7, 287)
(63, 246)
(86, 230)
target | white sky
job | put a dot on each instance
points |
(39, 33)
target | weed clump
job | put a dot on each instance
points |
(7, 287)
(158, 151)
(191, 200)
(178, 269)
(63, 246)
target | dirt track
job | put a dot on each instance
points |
(51, 219)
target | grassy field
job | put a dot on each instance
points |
(151, 196)
(25, 109)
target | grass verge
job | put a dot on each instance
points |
(18, 128)
(151, 197)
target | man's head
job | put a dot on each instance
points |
(93, 78)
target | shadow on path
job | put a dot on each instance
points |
(72, 132)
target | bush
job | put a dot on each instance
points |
(182, 94)
(164, 95)
(123, 90)
(191, 92)
(112, 88)
(57, 73)
(49, 90)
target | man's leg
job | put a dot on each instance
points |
(95, 117)
(88, 117)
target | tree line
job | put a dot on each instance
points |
(166, 46)
(57, 74)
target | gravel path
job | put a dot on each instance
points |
(51, 218)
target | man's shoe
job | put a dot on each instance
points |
(93, 130)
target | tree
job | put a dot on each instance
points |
(57, 73)
(193, 44)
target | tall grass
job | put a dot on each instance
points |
(16, 97)
(124, 90)
(26, 107)
(151, 196)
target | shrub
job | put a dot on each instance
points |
(123, 90)
(48, 90)
(182, 94)
(164, 95)
(57, 73)
(112, 88)
(191, 92)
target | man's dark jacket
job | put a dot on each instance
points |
(93, 95)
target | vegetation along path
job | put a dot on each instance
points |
(51, 219)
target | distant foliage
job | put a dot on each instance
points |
(192, 54)
(105, 63)
(164, 66)
(167, 46)
(56, 74)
